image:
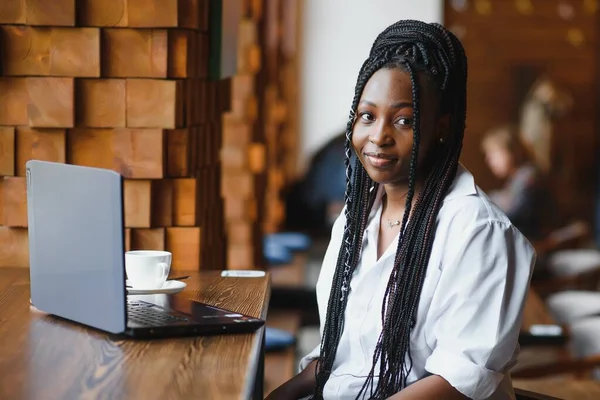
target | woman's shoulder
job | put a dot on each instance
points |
(475, 223)
(466, 206)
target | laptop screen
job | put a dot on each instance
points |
(76, 247)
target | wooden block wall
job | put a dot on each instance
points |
(279, 96)
(118, 84)
(260, 135)
(240, 162)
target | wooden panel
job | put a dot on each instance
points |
(135, 153)
(178, 149)
(203, 46)
(14, 190)
(14, 251)
(203, 19)
(188, 13)
(184, 244)
(13, 101)
(235, 133)
(239, 232)
(12, 12)
(101, 103)
(1, 200)
(75, 51)
(50, 102)
(140, 53)
(151, 103)
(240, 256)
(152, 13)
(51, 110)
(137, 195)
(55, 12)
(257, 158)
(237, 184)
(184, 202)
(138, 153)
(7, 151)
(240, 209)
(180, 62)
(162, 202)
(90, 147)
(127, 236)
(148, 239)
(39, 144)
(102, 13)
(235, 157)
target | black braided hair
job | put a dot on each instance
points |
(431, 51)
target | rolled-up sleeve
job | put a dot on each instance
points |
(477, 310)
(314, 354)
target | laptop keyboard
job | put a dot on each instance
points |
(146, 314)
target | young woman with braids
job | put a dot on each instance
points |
(423, 284)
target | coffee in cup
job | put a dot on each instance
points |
(147, 269)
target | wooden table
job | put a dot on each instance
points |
(43, 357)
(535, 311)
(563, 389)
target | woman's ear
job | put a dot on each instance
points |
(443, 128)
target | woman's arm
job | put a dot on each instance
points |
(298, 387)
(431, 388)
(477, 309)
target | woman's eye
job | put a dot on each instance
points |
(366, 117)
(404, 121)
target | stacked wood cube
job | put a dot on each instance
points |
(118, 84)
(280, 95)
(243, 153)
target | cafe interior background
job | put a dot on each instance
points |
(227, 126)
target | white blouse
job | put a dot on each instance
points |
(471, 305)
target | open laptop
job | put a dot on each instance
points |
(77, 260)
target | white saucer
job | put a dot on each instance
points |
(170, 287)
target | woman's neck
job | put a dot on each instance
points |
(395, 197)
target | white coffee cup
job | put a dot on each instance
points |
(147, 269)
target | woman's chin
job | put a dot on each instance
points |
(388, 177)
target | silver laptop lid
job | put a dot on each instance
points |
(76, 250)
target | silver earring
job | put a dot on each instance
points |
(441, 140)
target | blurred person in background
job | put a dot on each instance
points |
(314, 202)
(525, 197)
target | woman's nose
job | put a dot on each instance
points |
(380, 136)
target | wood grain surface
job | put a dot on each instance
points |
(7, 150)
(44, 144)
(14, 251)
(563, 389)
(43, 357)
(13, 101)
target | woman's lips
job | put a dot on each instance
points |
(380, 160)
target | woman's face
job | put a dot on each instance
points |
(383, 129)
(499, 160)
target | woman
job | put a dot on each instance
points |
(524, 198)
(423, 284)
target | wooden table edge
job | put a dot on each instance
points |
(256, 370)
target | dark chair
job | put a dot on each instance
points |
(278, 339)
(521, 394)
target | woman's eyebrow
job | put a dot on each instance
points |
(401, 104)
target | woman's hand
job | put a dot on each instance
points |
(298, 387)
(282, 393)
